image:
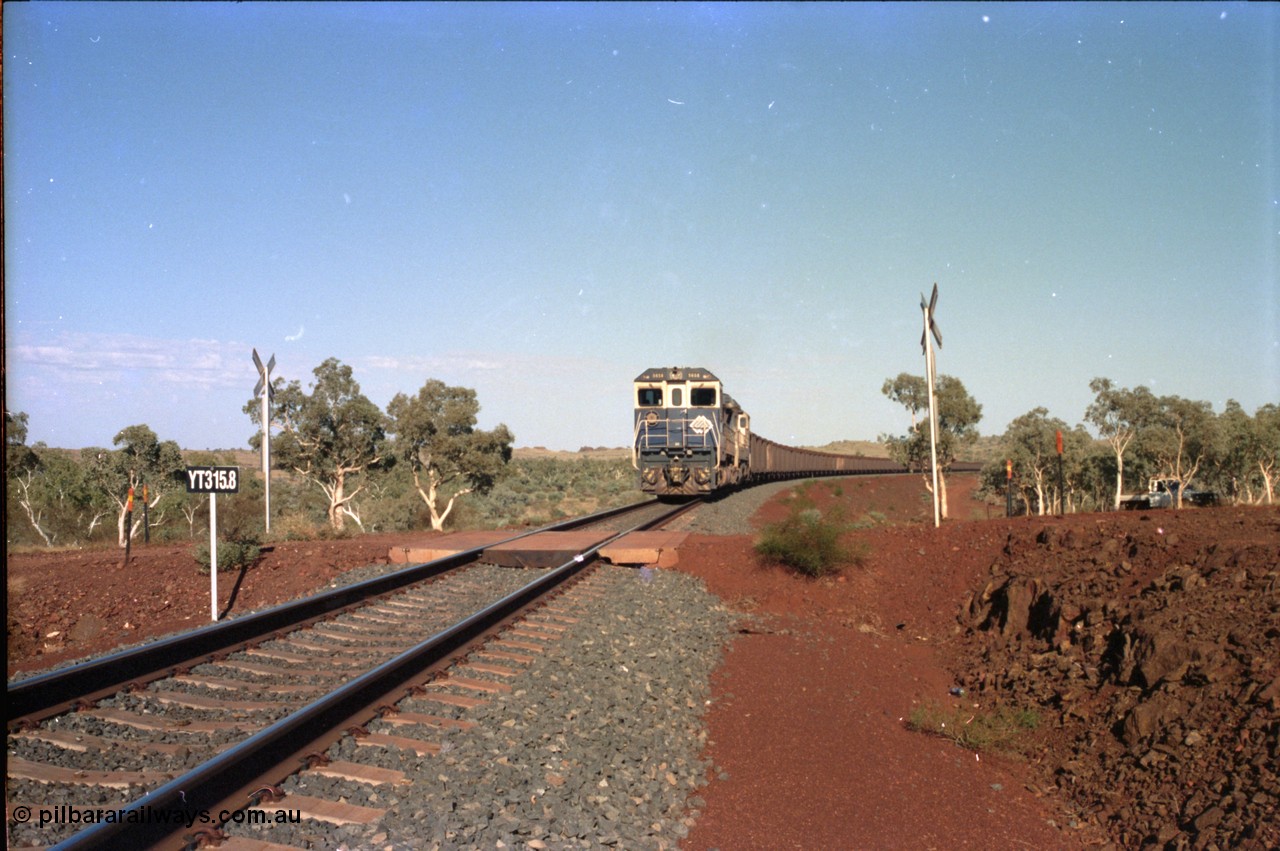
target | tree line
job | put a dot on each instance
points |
(338, 460)
(332, 448)
(334, 436)
(1141, 438)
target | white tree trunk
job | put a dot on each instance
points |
(431, 496)
(1268, 480)
(25, 502)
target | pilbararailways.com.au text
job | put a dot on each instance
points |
(147, 814)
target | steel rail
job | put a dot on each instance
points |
(226, 782)
(45, 695)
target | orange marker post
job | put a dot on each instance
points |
(1062, 490)
(128, 526)
(1008, 487)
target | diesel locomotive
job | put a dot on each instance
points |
(692, 439)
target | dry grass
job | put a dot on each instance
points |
(999, 730)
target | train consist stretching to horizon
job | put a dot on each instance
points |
(692, 439)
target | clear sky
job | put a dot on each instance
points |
(541, 201)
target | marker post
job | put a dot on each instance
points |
(213, 557)
(213, 481)
(1062, 488)
(1008, 487)
(128, 526)
(930, 334)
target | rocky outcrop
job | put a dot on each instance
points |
(1158, 651)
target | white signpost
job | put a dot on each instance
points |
(931, 331)
(263, 388)
(213, 481)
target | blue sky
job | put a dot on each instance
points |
(541, 201)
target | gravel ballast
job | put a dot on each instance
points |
(598, 743)
(730, 514)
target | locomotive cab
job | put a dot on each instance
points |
(690, 437)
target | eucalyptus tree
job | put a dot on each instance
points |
(1118, 413)
(436, 436)
(21, 467)
(1251, 452)
(1234, 473)
(330, 436)
(1266, 430)
(958, 417)
(140, 458)
(1178, 437)
(1031, 443)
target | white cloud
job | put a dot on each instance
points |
(94, 358)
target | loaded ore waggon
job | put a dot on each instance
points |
(691, 438)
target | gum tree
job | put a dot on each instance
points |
(435, 435)
(140, 458)
(22, 466)
(1266, 434)
(1249, 452)
(330, 436)
(1118, 413)
(1031, 443)
(1179, 436)
(958, 416)
(1032, 446)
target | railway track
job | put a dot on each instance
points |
(197, 732)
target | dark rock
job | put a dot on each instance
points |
(1162, 655)
(1146, 719)
(1207, 819)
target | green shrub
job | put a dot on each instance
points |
(871, 520)
(231, 555)
(293, 527)
(806, 541)
(998, 730)
(241, 516)
(328, 533)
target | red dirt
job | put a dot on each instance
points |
(70, 604)
(807, 731)
(809, 715)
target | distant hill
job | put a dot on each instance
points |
(597, 452)
(860, 448)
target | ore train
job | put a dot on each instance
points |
(692, 439)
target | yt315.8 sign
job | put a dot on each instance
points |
(213, 480)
